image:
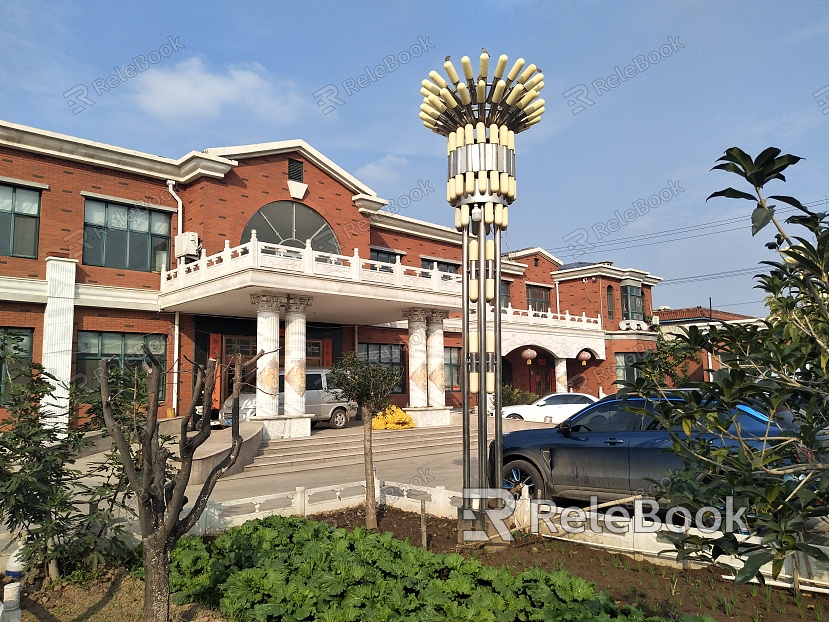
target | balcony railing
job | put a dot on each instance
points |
(531, 317)
(308, 262)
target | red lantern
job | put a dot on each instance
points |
(584, 356)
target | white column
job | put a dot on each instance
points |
(560, 369)
(435, 358)
(295, 355)
(417, 357)
(57, 336)
(267, 340)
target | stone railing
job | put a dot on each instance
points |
(306, 261)
(510, 315)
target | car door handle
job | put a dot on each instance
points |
(614, 441)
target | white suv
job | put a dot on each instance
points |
(320, 402)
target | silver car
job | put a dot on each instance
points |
(320, 402)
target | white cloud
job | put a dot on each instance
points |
(387, 170)
(190, 91)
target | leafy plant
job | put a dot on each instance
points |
(392, 418)
(513, 396)
(778, 365)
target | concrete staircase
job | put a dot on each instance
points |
(346, 448)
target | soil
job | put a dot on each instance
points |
(656, 590)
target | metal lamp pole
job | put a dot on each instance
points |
(480, 116)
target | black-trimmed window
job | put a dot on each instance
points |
(125, 237)
(98, 349)
(15, 356)
(295, 170)
(442, 266)
(538, 298)
(633, 305)
(384, 256)
(610, 302)
(452, 368)
(387, 354)
(19, 221)
(625, 371)
(505, 294)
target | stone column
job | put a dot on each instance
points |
(435, 358)
(560, 369)
(57, 336)
(295, 355)
(417, 357)
(267, 340)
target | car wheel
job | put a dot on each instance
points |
(514, 416)
(518, 473)
(339, 418)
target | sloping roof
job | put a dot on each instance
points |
(533, 250)
(697, 314)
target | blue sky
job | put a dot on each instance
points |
(704, 76)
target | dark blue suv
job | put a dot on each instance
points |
(607, 451)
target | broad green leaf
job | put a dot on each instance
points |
(766, 155)
(752, 565)
(760, 217)
(732, 193)
(787, 199)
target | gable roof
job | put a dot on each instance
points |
(533, 250)
(295, 145)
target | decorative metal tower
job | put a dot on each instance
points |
(480, 115)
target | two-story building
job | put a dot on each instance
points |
(274, 247)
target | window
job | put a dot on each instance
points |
(610, 417)
(19, 221)
(384, 256)
(130, 238)
(288, 223)
(15, 356)
(538, 298)
(505, 294)
(295, 170)
(116, 350)
(632, 302)
(452, 369)
(624, 365)
(442, 266)
(385, 354)
(609, 302)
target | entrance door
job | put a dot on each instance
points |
(541, 380)
(246, 346)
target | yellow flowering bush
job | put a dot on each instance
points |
(392, 418)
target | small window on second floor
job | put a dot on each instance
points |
(538, 298)
(609, 302)
(295, 170)
(125, 237)
(632, 302)
(19, 221)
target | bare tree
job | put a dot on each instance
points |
(161, 500)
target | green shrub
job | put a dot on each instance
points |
(294, 569)
(512, 396)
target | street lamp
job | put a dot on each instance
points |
(480, 116)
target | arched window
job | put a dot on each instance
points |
(290, 224)
(609, 302)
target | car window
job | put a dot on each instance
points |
(608, 417)
(313, 382)
(650, 424)
(581, 399)
(556, 400)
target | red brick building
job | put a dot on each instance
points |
(273, 246)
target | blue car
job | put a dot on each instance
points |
(607, 451)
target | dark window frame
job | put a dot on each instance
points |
(535, 301)
(610, 302)
(633, 302)
(123, 358)
(505, 294)
(14, 216)
(7, 374)
(123, 219)
(451, 369)
(365, 350)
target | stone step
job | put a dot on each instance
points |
(331, 443)
(298, 464)
(353, 434)
(332, 452)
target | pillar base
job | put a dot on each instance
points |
(429, 416)
(274, 428)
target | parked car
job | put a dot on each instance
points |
(605, 450)
(320, 402)
(553, 408)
